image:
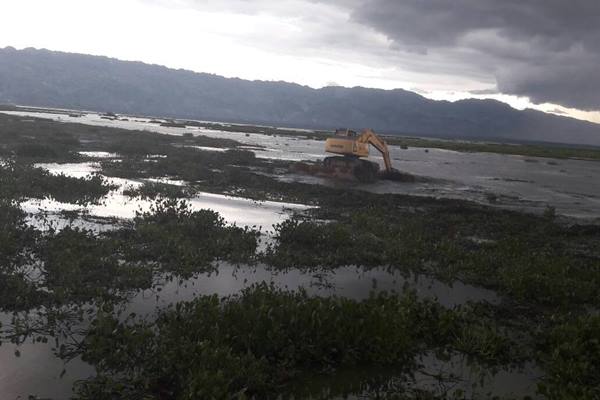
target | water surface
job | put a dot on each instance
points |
(514, 182)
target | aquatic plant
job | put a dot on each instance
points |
(185, 241)
(265, 341)
(529, 265)
(79, 266)
(153, 190)
(20, 180)
(570, 354)
(258, 343)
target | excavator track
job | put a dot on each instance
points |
(351, 167)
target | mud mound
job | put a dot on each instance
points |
(397, 176)
(319, 169)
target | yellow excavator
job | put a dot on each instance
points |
(353, 147)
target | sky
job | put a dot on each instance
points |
(542, 54)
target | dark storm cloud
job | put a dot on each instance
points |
(548, 50)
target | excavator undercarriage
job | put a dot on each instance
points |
(351, 167)
(350, 163)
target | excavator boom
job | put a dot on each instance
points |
(368, 136)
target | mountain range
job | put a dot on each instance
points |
(44, 78)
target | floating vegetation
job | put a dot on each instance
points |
(153, 190)
(258, 343)
(75, 265)
(532, 259)
(20, 180)
(184, 241)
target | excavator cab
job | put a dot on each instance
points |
(345, 132)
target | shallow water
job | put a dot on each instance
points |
(235, 210)
(98, 154)
(352, 282)
(75, 170)
(37, 370)
(206, 148)
(572, 186)
(521, 183)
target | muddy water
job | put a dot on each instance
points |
(515, 182)
(572, 186)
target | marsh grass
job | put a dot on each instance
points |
(570, 352)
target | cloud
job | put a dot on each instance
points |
(557, 111)
(325, 32)
(484, 91)
(548, 50)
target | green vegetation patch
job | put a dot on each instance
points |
(188, 164)
(258, 343)
(530, 258)
(16, 242)
(20, 180)
(37, 139)
(79, 266)
(74, 266)
(184, 241)
(40, 140)
(570, 353)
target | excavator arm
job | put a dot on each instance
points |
(368, 136)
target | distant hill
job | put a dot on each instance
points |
(54, 79)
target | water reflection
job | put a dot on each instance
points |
(352, 282)
(38, 370)
(236, 210)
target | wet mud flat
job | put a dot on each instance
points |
(327, 290)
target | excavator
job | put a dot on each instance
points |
(353, 148)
